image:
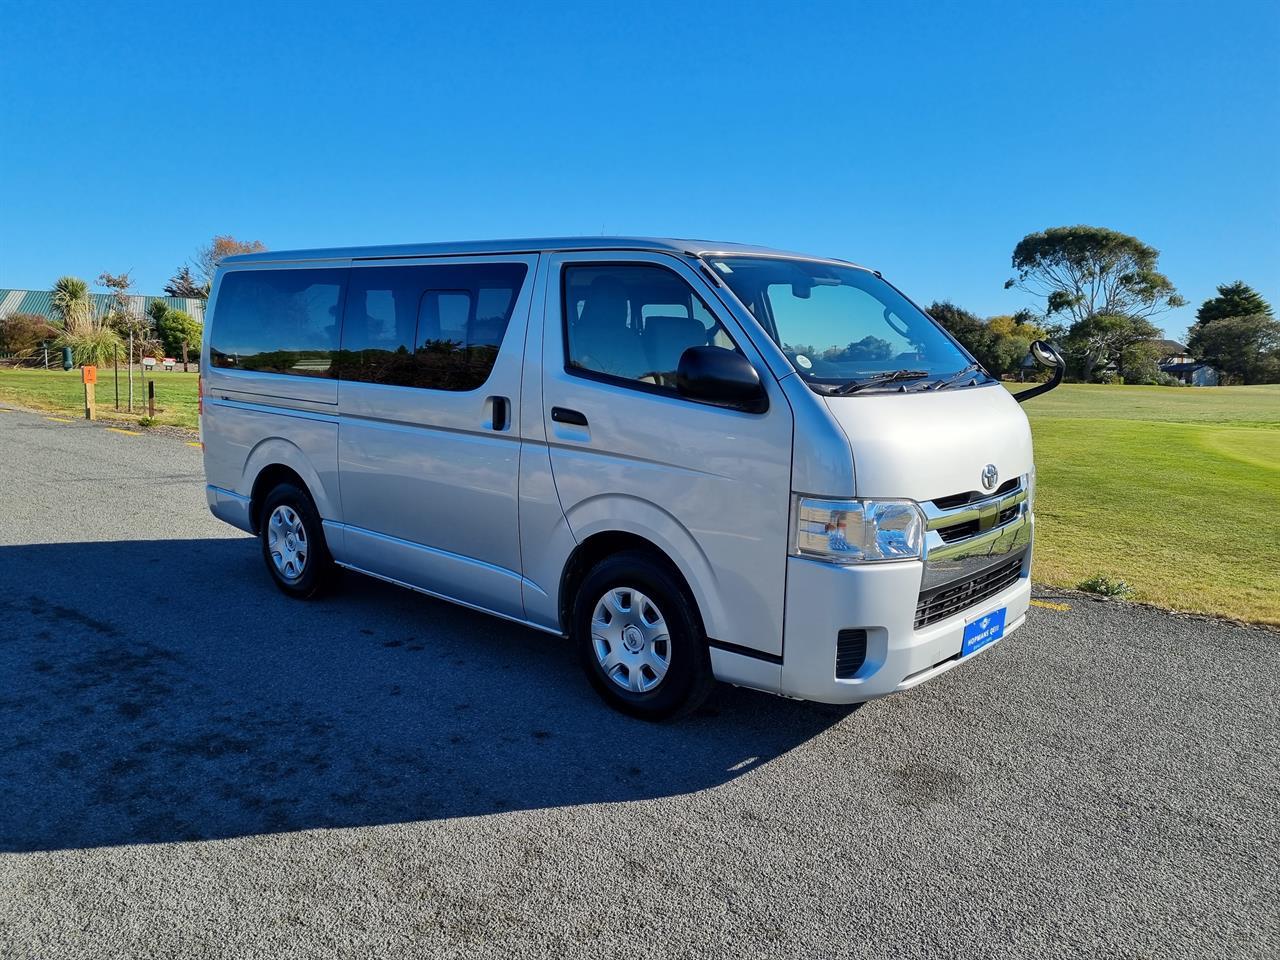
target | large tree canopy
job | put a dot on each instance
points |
(1087, 271)
(1233, 300)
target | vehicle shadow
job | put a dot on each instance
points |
(164, 690)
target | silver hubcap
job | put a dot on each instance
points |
(630, 639)
(287, 542)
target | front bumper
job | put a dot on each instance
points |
(823, 599)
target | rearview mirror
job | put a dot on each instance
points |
(1045, 355)
(723, 377)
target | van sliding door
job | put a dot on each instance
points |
(428, 443)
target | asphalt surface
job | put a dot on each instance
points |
(192, 765)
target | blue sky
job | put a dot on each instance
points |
(922, 139)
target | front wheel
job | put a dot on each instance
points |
(639, 638)
(293, 544)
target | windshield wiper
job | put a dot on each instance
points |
(891, 377)
(956, 377)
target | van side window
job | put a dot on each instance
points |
(427, 326)
(379, 323)
(633, 322)
(278, 321)
(462, 317)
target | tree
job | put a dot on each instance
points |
(156, 311)
(1101, 338)
(1246, 349)
(1087, 271)
(218, 249)
(176, 327)
(121, 317)
(999, 343)
(71, 303)
(1233, 300)
(970, 329)
(1139, 362)
(182, 284)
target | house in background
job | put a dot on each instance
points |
(1176, 360)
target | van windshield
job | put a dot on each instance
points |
(843, 328)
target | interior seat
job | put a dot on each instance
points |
(600, 339)
(665, 341)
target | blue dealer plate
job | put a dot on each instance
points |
(986, 629)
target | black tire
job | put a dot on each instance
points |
(688, 678)
(318, 568)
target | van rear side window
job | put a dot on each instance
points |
(427, 326)
(278, 321)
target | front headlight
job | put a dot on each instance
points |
(859, 531)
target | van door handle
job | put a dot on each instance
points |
(565, 415)
(501, 412)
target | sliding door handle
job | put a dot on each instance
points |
(501, 409)
(565, 415)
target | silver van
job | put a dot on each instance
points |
(699, 461)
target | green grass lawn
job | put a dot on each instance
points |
(60, 392)
(1175, 490)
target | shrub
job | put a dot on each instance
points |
(175, 326)
(22, 333)
(98, 347)
(1106, 586)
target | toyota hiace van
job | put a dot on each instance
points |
(698, 461)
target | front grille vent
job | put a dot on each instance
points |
(949, 599)
(851, 653)
(970, 528)
(973, 496)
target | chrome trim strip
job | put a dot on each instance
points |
(936, 518)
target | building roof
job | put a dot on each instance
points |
(41, 302)
(532, 245)
(1171, 347)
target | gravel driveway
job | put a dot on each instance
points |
(192, 765)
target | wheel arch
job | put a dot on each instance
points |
(275, 461)
(606, 543)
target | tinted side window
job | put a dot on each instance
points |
(633, 322)
(462, 317)
(379, 324)
(278, 321)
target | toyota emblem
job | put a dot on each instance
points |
(990, 476)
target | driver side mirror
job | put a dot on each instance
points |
(1044, 354)
(723, 377)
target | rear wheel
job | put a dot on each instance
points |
(639, 638)
(293, 544)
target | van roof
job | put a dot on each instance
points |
(534, 245)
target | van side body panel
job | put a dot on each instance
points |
(709, 486)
